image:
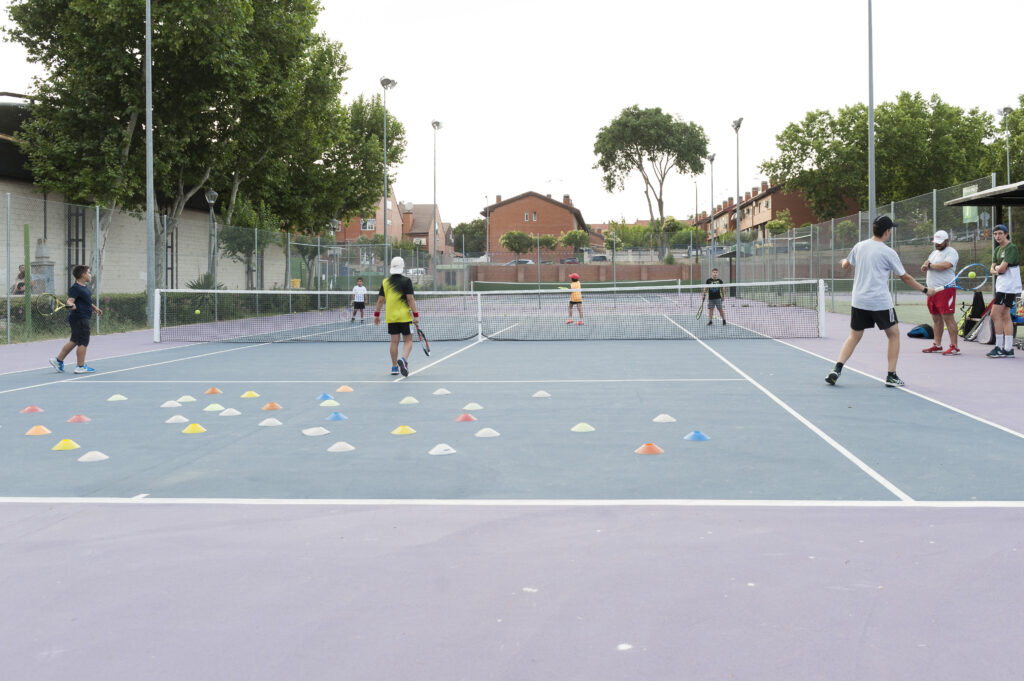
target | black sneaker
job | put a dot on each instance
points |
(894, 381)
(832, 377)
(724, 322)
(403, 366)
(709, 322)
(996, 352)
(1008, 354)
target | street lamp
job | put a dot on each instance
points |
(711, 162)
(437, 126)
(736, 126)
(387, 84)
(211, 239)
(1006, 111)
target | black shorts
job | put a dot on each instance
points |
(575, 302)
(1007, 299)
(359, 305)
(79, 331)
(399, 329)
(866, 319)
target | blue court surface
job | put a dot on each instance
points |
(817, 533)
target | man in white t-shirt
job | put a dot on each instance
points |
(358, 300)
(940, 269)
(873, 261)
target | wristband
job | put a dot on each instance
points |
(376, 313)
(415, 314)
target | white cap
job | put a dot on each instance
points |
(397, 265)
(940, 236)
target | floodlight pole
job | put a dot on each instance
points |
(871, 123)
(150, 192)
(387, 84)
(437, 126)
(736, 126)
(711, 162)
(1006, 126)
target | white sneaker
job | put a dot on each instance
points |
(84, 369)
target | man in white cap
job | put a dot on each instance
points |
(940, 269)
(396, 295)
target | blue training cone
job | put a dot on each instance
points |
(323, 396)
(696, 436)
(336, 416)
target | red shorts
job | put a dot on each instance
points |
(942, 302)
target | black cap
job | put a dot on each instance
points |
(885, 222)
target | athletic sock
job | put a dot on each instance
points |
(999, 341)
(1008, 345)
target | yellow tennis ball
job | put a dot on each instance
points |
(972, 275)
(197, 312)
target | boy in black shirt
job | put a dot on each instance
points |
(80, 304)
(713, 291)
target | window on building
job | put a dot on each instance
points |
(535, 216)
(526, 217)
(368, 224)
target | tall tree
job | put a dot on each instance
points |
(475, 233)
(653, 144)
(920, 144)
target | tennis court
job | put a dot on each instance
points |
(818, 533)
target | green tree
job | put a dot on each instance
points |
(576, 239)
(517, 242)
(246, 241)
(846, 232)
(548, 241)
(653, 144)
(781, 224)
(475, 233)
(920, 144)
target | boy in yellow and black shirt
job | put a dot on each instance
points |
(396, 295)
(575, 298)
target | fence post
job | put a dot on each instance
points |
(7, 284)
(832, 259)
(892, 245)
(28, 286)
(98, 276)
(156, 316)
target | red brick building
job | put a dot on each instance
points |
(532, 213)
(759, 206)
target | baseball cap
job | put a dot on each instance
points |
(397, 265)
(1000, 228)
(940, 236)
(885, 222)
(574, 276)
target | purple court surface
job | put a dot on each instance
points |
(837, 533)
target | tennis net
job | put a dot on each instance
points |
(788, 309)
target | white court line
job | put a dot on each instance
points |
(907, 390)
(452, 354)
(799, 417)
(103, 359)
(474, 381)
(519, 503)
(117, 371)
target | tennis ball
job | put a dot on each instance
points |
(972, 275)
(197, 312)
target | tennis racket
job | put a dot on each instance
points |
(970, 278)
(48, 305)
(424, 343)
(700, 306)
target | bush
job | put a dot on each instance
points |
(670, 259)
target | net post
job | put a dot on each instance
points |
(479, 318)
(156, 315)
(821, 308)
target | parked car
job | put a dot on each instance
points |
(599, 258)
(569, 261)
(517, 262)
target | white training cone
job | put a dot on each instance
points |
(409, 400)
(177, 418)
(442, 391)
(541, 393)
(170, 404)
(663, 418)
(230, 412)
(315, 432)
(270, 422)
(90, 457)
(582, 428)
(487, 432)
(471, 406)
(340, 447)
(441, 450)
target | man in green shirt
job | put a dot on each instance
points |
(1006, 270)
(396, 296)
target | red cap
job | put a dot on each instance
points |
(574, 276)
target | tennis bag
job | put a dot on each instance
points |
(921, 331)
(983, 332)
(971, 316)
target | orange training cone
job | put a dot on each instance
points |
(213, 391)
(465, 417)
(31, 409)
(649, 448)
(38, 430)
(271, 406)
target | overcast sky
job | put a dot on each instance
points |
(522, 88)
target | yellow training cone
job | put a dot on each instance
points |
(250, 393)
(403, 430)
(194, 428)
(329, 403)
(409, 400)
(65, 445)
(213, 407)
(582, 428)
(116, 398)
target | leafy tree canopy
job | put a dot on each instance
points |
(475, 233)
